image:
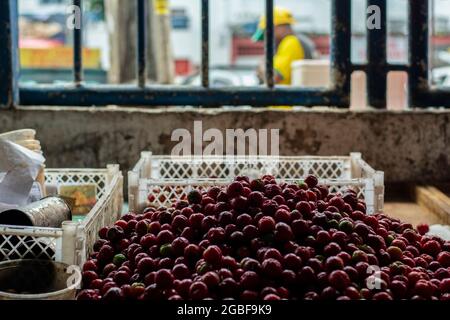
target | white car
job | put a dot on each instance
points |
(441, 77)
(226, 77)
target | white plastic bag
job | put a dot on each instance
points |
(440, 231)
(19, 168)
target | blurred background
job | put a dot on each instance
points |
(175, 40)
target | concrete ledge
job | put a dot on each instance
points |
(410, 146)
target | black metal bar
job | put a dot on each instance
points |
(205, 43)
(390, 67)
(377, 54)
(418, 51)
(398, 67)
(435, 97)
(341, 67)
(141, 42)
(78, 44)
(359, 67)
(176, 96)
(9, 57)
(339, 95)
(270, 44)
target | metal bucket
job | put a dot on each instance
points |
(37, 280)
(49, 212)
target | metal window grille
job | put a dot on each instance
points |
(421, 94)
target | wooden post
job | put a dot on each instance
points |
(434, 200)
(120, 18)
(162, 48)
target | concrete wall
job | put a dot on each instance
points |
(408, 146)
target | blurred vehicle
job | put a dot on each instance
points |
(225, 76)
(441, 77)
(447, 80)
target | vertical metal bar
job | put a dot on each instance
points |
(9, 54)
(418, 50)
(270, 44)
(141, 42)
(205, 43)
(377, 54)
(78, 45)
(341, 37)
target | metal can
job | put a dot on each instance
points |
(49, 212)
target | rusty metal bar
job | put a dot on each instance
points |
(377, 56)
(418, 51)
(141, 42)
(205, 44)
(9, 54)
(341, 67)
(421, 94)
(165, 95)
(78, 44)
(390, 67)
(270, 44)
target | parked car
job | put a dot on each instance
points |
(226, 76)
(441, 77)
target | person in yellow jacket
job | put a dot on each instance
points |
(289, 48)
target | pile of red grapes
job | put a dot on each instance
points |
(263, 240)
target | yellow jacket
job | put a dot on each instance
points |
(289, 50)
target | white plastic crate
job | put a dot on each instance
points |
(72, 242)
(168, 178)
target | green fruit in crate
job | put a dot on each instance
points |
(395, 253)
(138, 285)
(359, 256)
(203, 267)
(166, 250)
(137, 289)
(397, 268)
(119, 259)
(302, 185)
(346, 226)
(333, 224)
(389, 239)
(320, 257)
